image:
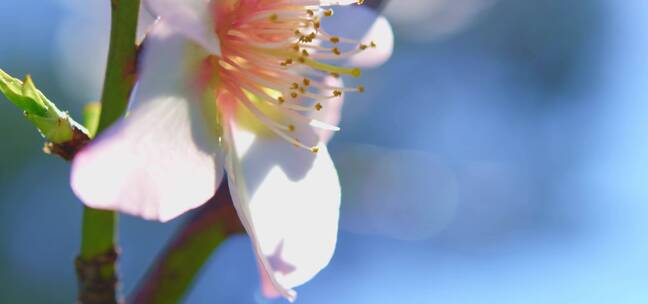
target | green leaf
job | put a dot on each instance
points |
(56, 126)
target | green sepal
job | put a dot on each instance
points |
(53, 124)
(35, 98)
(91, 115)
(55, 129)
(23, 95)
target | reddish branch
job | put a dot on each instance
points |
(173, 273)
(68, 149)
(97, 278)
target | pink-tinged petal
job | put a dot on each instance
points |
(161, 160)
(288, 199)
(192, 18)
(363, 24)
(268, 288)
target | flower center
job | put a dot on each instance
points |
(275, 62)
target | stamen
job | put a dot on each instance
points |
(271, 55)
(355, 72)
(271, 124)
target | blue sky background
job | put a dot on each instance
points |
(499, 157)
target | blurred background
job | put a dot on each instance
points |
(500, 156)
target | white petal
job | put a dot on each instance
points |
(145, 22)
(337, 2)
(365, 25)
(288, 200)
(193, 18)
(161, 160)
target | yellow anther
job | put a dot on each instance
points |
(290, 41)
(356, 73)
(360, 2)
(287, 62)
(373, 45)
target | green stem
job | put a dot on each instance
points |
(173, 273)
(96, 268)
(98, 232)
(122, 62)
